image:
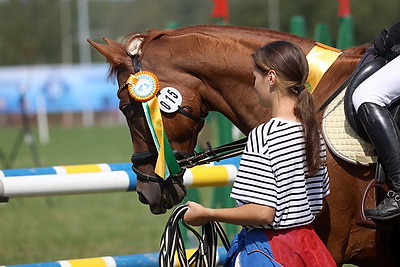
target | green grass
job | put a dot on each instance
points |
(49, 229)
(68, 227)
(76, 145)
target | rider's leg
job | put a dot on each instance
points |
(370, 99)
(382, 87)
(384, 135)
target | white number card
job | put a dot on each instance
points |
(169, 99)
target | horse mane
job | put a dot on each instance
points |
(215, 30)
(218, 31)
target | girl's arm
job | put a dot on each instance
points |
(248, 214)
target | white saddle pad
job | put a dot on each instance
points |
(340, 137)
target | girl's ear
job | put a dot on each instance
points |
(271, 77)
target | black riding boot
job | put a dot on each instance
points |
(384, 135)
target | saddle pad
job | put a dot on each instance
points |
(340, 137)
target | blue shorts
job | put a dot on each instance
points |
(250, 247)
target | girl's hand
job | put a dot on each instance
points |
(196, 214)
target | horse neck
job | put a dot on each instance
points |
(215, 62)
(242, 108)
(220, 59)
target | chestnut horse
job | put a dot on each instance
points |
(211, 67)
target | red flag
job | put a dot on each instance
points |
(344, 8)
(221, 9)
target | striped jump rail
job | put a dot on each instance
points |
(101, 178)
(134, 260)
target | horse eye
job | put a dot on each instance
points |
(126, 110)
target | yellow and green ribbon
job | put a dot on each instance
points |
(166, 162)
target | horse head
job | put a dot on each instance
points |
(181, 128)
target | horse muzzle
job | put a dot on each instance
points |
(160, 194)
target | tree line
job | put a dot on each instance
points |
(46, 31)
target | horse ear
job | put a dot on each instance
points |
(133, 45)
(113, 51)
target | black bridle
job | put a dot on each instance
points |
(145, 157)
(184, 160)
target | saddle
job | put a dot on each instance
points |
(347, 139)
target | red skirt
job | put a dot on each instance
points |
(300, 246)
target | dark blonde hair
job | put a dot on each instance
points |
(291, 66)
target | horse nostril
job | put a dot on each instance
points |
(142, 198)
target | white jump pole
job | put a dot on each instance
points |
(101, 178)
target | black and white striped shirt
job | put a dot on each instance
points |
(272, 172)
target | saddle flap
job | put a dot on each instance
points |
(341, 138)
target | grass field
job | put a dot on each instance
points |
(68, 227)
(46, 229)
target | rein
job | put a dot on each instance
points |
(197, 158)
(172, 242)
(214, 154)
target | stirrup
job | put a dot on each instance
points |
(363, 221)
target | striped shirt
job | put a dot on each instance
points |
(272, 173)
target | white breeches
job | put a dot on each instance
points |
(381, 88)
